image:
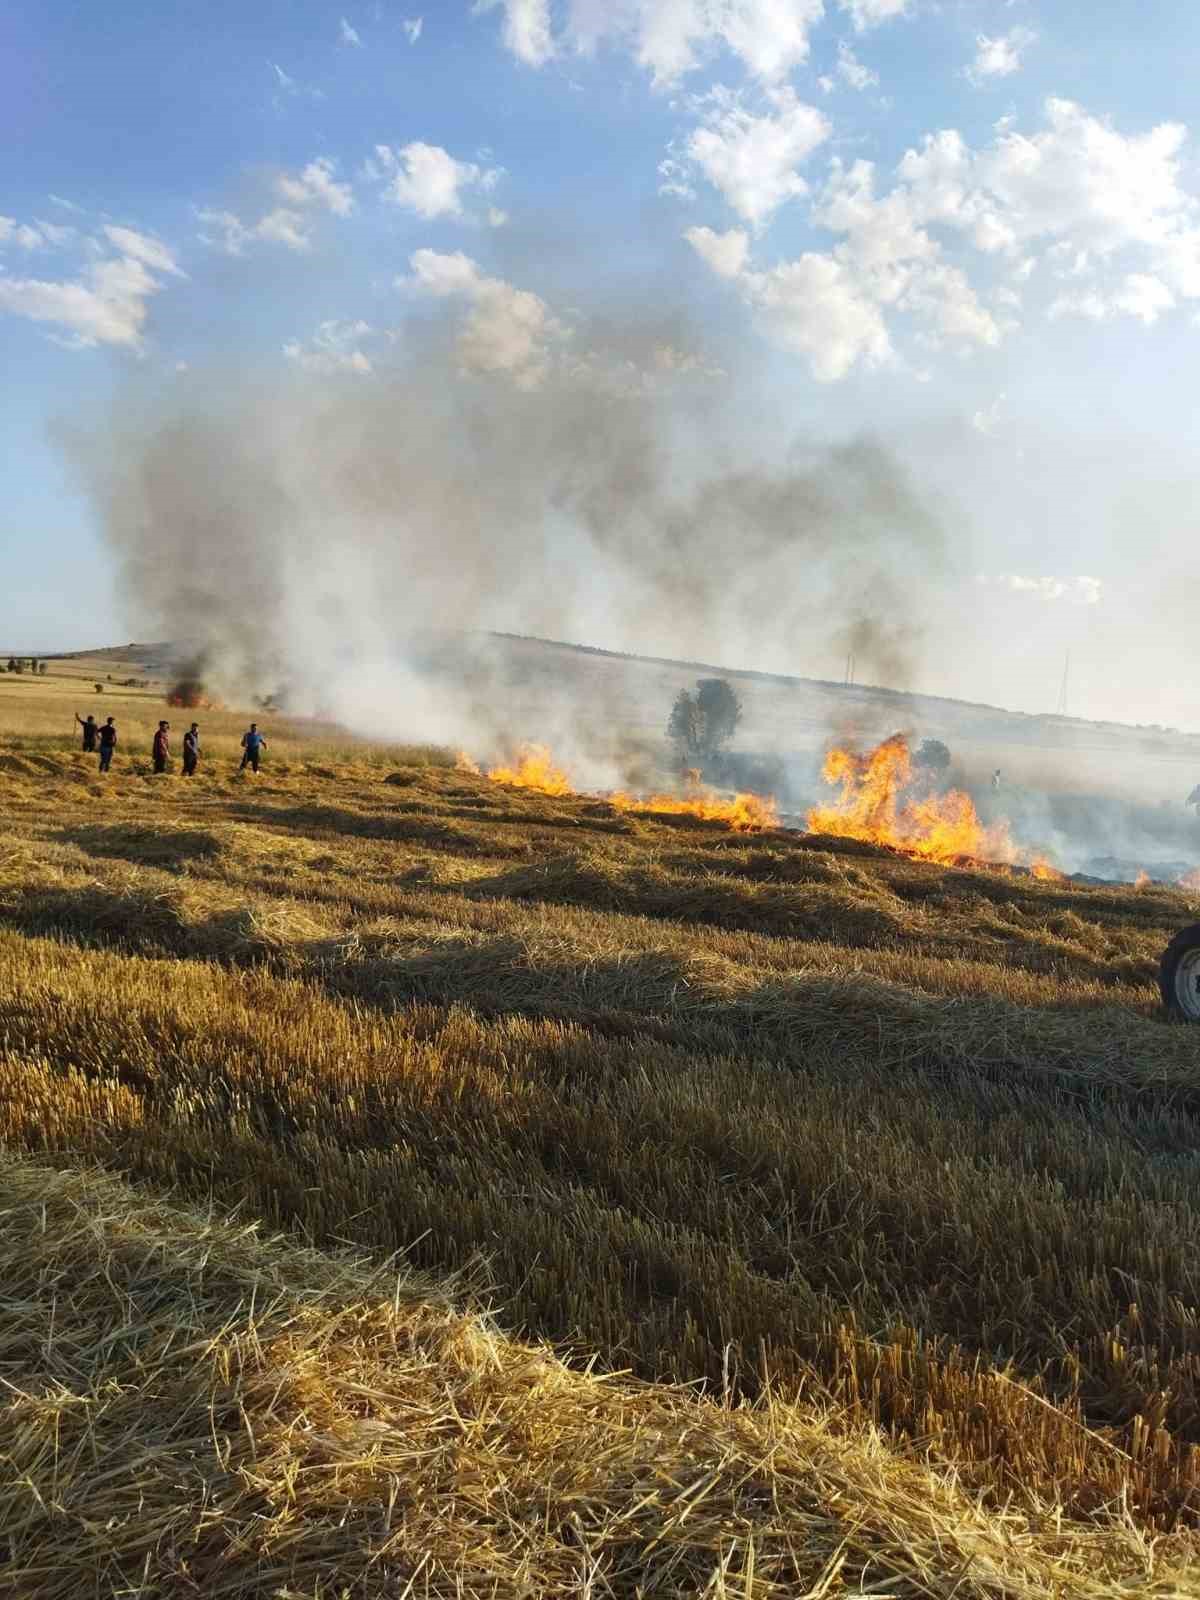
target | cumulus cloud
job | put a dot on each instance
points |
(999, 57)
(314, 188)
(865, 14)
(725, 253)
(753, 160)
(317, 186)
(817, 307)
(852, 71)
(507, 331)
(428, 180)
(412, 27)
(526, 30)
(347, 34)
(107, 304)
(668, 38)
(1140, 295)
(334, 348)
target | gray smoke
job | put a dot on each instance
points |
(330, 535)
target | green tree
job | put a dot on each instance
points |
(685, 725)
(720, 712)
(933, 757)
(41, 668)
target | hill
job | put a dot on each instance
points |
(894, 1160)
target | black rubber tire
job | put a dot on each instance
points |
(1186, 940)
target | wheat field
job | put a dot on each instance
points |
(415, 1186)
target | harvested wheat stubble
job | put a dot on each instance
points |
(189, 1409)
(914, 1137)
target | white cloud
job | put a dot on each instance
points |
(1082, 590)
(987, 420)
(675, 179)
(870, 13)
(496, 217)
(230, 234)
(526, 30)
(999, 57)
(507, 331)
(287, 87)
(38, 235)
(852, 71)
(347, 34)
(668, 37)
(314, 188)
(106, 305)
(725, 253)
(317, 186)
(151, 252)
(428, 180)
(1144, 296)
(751, 159)
(412, 27)
(334, 348)
(815, 306)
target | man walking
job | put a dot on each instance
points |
(90, 730)
(108, 743)
(191, 749)
(162, 747)
(253, 744)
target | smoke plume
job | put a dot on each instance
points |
(334, 537)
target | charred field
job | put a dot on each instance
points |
(413, 1180)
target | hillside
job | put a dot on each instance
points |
(896, 1159)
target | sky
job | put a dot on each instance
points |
(965, 231)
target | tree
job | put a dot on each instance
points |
(684, 726)
(932, 757)
(41, 669)
(20, 664)
(720, 712)
(12, 664)
(701, 723)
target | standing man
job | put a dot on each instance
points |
(162, 747)
(90, 730)
(108, 743)
(253, 744)
(191, 749)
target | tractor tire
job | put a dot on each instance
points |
(1179, 974)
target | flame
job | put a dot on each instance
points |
(535, 769)
(875, 806)
(745, 813)
(1142, 879)
(190, 694)
(463, 763)
(1045, 872)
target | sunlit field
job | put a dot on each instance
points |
(415, 1184)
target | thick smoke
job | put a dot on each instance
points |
(341, 539)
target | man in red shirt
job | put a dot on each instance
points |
(162, 747)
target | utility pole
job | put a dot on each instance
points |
(1062, 693)
(849, 678)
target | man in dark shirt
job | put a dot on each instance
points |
(90, 730)
(108, 743)
(162, 747)
(253, 744)
(191, 749)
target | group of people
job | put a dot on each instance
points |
(102, 738)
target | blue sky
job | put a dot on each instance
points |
(970, 228)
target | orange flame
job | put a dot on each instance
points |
(535, 769)
(875, 807)
(190, 694)
(745, 813)
(1044, 871)
(1142, 879)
